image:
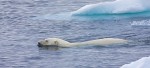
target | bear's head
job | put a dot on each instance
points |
(53, 42)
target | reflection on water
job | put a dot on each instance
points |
(68, 16)
(53, 48)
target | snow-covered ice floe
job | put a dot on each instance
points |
(141, 63)
(115, 7)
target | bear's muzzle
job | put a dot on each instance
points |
(39, 44)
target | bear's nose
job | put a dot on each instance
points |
(39, 44)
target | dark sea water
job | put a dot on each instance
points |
(21, 29)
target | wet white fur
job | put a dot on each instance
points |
(63, 43)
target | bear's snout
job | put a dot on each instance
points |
(39, 44)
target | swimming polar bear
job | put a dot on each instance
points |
(62, 43)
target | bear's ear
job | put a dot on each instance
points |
(56, 42)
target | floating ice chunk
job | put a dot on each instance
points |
(141, 63)
(114, 7)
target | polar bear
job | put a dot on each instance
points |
(62, 43)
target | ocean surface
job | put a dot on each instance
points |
(24, 22)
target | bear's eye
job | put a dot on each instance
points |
(46, 40)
